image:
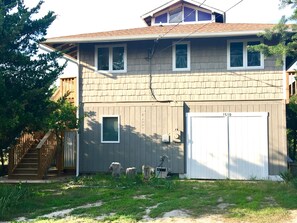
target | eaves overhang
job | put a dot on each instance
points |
(69, 44)
(150, 37)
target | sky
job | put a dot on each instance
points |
(86, 16)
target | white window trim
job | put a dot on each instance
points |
(188, 68)
(110, 47)
(110, 116)
(245, 54)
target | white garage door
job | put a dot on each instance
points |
(227, 145)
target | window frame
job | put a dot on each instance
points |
(188, 68)
(119, 130)
(245, 55)
(110, 58)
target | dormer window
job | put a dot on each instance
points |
(183, 11)
(176, 15)
(189, 14)
(204, 16)
(161, 18)
(183, 14)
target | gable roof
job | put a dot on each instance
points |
(67, 44)
(147, 17)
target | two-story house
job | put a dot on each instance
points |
(186, 86)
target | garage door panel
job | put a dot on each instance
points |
(209, 152)
(248, 151)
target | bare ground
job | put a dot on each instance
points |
(174, 216)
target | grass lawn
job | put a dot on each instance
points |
(128, 200)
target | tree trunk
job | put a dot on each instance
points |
(294, 145)
(2, 163)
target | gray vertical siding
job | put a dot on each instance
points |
(276, 125)
(141, 128)
(70, 150)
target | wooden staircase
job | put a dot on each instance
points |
(27, 167)
(31, 159)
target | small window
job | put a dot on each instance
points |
(110, 129)
(189, 14)
(204, 16)
(175, 16)
(161, 18)
(181, 56)
(240, 57)
(111, 58)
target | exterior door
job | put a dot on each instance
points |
(227, 145)
(209, 153)
(248, 146)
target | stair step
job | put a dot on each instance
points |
(19, 170)
(28, 165)
(21, 176)
(29, 160)
(31, 154)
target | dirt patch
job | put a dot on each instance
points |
(177, 216)
(146, 217)
(63, 213)
(141, 197)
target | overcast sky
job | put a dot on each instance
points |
(84, 16)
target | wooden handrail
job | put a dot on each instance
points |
(43, 140)
(46, 148)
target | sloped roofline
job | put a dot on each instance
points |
(149, 37)
(181, 31)
(68, 44)
(172, 2)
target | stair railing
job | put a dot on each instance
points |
(46, 153)
(20, 148)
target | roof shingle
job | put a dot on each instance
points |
(171, 31)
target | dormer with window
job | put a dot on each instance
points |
(183, 12)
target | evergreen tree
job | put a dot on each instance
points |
(284, 35)
(26, 75)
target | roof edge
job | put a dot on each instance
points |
(149, 37)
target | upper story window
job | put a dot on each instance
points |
(204, 16)
(189, 14)
(240, 57)
(176, 15)
(161, 18)
(111, 58)
(183, 14)
(181, 56)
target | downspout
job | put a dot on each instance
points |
(77, 112)
(284, 79)
(284, 110)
